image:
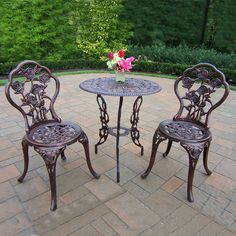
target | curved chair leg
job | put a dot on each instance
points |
(63, 157)
(50, 156)
(205, 158)
(157, 139)
(192, 166)
(168, 148)
(194, 151)
(25, 148)
(51, 168)
(84, 140)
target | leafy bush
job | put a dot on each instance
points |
(100, 27)
(144, 66)
(5, 68)
(183, 55)
(170, 68)
(37, 29)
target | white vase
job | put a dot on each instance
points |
(120, 76)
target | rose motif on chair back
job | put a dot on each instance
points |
(27, 91)
(194, 90)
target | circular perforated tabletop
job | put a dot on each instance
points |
(131, 87)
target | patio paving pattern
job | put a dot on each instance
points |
(154, 206)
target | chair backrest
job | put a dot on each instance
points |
(195, 90)
(27, 91)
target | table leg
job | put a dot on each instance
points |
(117, 140)
(103, 131)
(135, 134)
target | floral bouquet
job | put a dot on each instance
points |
(118, 63)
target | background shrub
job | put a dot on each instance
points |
(81, 64)
(143, 66)
(183, 55)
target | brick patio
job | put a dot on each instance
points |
(87, 207)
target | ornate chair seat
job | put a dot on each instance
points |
(194, 90)
(28, 91)
(55, 134)
(184, 131)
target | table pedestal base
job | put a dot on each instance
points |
(105, 130)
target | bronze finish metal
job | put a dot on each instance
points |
(135, 134)
(190, 125)
(131, 87)
(104, 117)
(45, 132)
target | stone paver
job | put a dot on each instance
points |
(8, 153)
(37, 206)
(15, 224)
(103, 228)
(8, 172)
(75, 223)
(211, 229)
(104, 188)
(227, 167)
(126, 174)
(150, 184)
(6, 191)
(136, 190)
(193, 226)
(221, 182)
(31, 188)
(101, 164)
(10, 208)
(172, 184)
(86, 231)
(166, 168)
(74, 194)
(153, 206)
(162, 203)
(74, 164)
(133, 212)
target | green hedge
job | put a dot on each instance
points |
(183, 55)
(5, 68)
(143, 66)
(158, 67)
(169, 68)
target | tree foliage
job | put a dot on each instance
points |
(170, 21)
(220, 31)
(100, 28)
(177, 22)
(62, 30)
(36, 29)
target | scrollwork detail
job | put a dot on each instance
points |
(49, 155)
(53, 134)
(194, 149)
(158, 138)
(104, 118)
(198, 101)
(33, 99)
(135, 134)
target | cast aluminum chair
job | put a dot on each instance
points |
(27, 90)
(190, 126)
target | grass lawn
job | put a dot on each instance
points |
(3, 82)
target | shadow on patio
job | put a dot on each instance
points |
(154, 206)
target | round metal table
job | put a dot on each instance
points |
(131, 87)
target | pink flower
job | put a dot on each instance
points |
(125, 65)
(110, 55)
(130, 59)
(116, 61)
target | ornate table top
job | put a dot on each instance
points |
(131, 87)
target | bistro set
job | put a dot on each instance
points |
(27, 91)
